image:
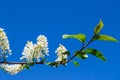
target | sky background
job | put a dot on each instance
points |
(24, 20)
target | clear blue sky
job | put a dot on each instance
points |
(25, 19)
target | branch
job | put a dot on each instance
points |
(4, 57)
(21, 62)
(83, 47)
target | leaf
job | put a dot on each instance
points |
(80, 37)
(48, 63)
(95, 52)
(76, 63)
(80, 55)
(105, 38)
(26, 66)
(53, 64)
(98, 27)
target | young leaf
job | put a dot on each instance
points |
(98, 27)
(81, 55)
(26, 66)
(76, 63)
(105, 38)
(80, 37)
(48, 63)
(95, 52)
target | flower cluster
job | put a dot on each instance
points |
(60, 50)
(35, 51)
(4, 43)
(12, 69)
(31, 53)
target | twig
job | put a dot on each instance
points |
(83, 47)
(20, 62)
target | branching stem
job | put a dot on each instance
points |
(83, 47)
(71, 58)
(20, 62)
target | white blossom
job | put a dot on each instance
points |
(35, 51)
(42, 41)
(28, 52)
(60, 50)
(4, 43)
(12, 69)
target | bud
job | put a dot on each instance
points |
(85, 56)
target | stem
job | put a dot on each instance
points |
(4, 57)
(21, 62)
(83, 47)
(83, 44)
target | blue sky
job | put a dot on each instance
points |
(25, 19)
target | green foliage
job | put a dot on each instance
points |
(95, 52)
(76, 63)
(26, 66)
(98, 27)
(80, 37)
(105, 38)
(53, 63)
(80, 55)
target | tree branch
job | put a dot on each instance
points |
(21, 62)
(83, 47)
(72, 57)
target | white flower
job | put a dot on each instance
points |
(60, 50)
(28, 52)
(12, 69)
(42, 41)
(35, 51)
(4, 43)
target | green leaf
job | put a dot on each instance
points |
(48, 63)
(26, 66)
(80, 37)
(95, 52)
(76, 63)
(98, 27)
(80, 55)
(53, 64)
(105, 38)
